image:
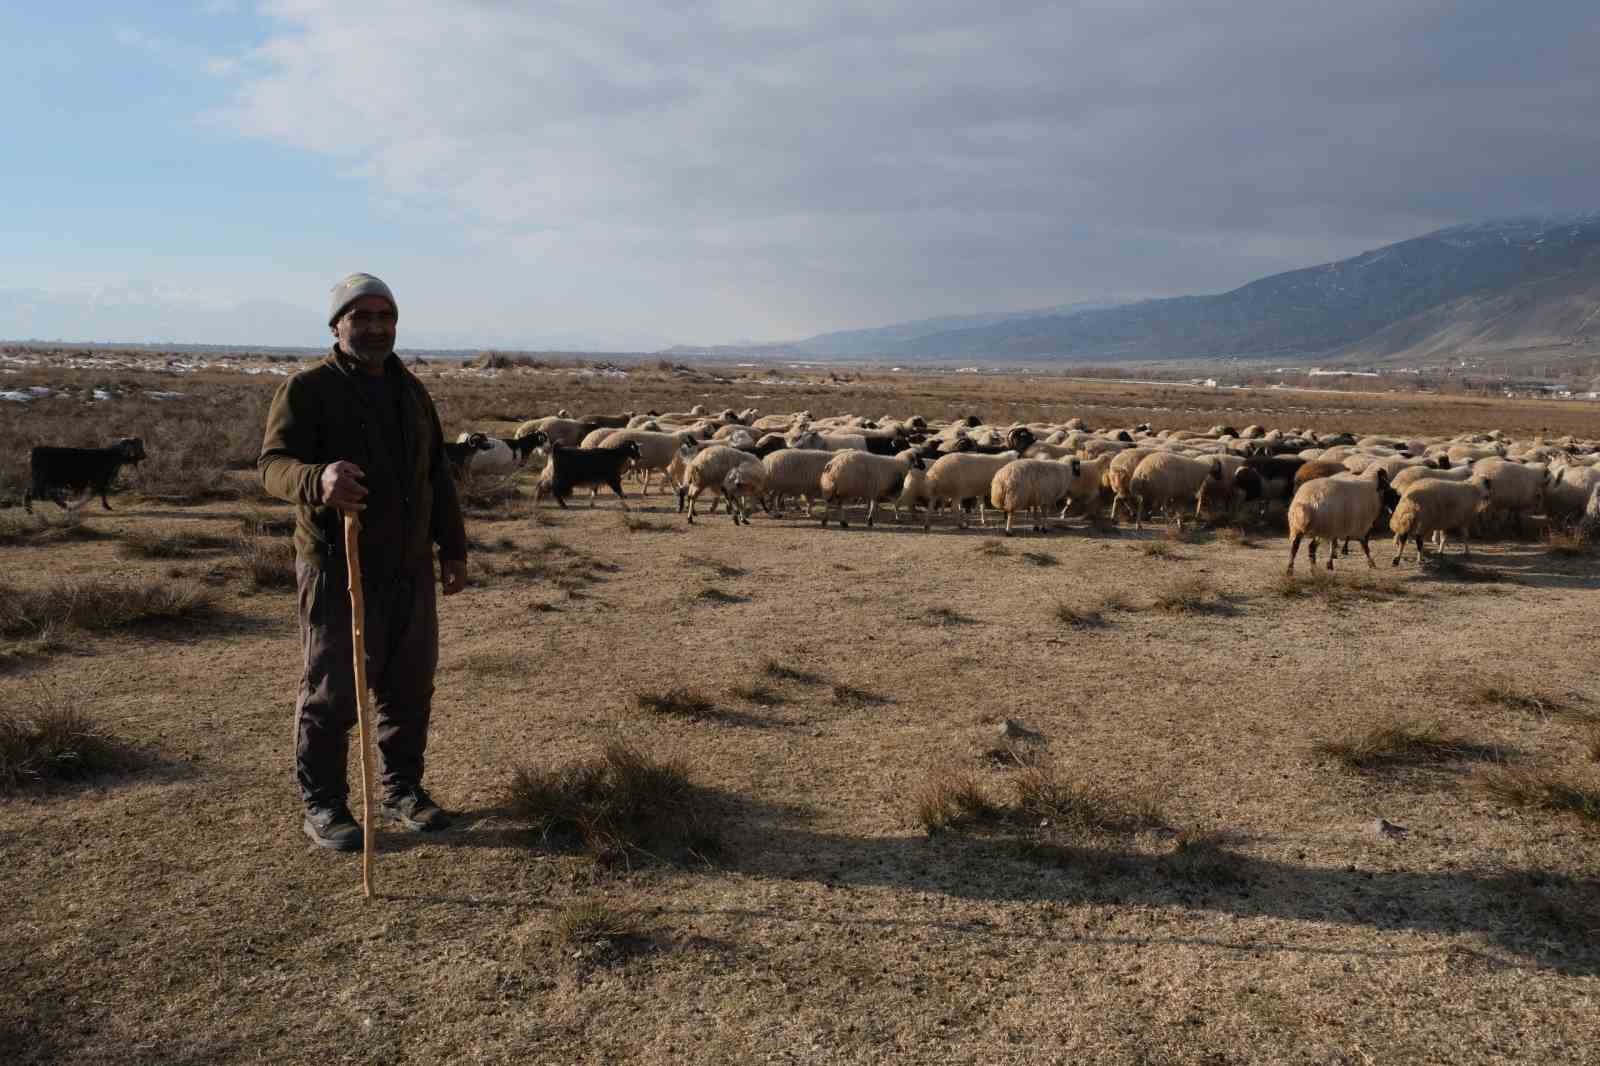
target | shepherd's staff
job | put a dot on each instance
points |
(358, 639)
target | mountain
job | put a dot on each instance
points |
(887, 338)
(1501, 285)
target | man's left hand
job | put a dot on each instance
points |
(452, 575)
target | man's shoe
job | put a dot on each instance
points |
(332, 828)
(415, 810)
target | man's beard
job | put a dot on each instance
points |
(370, 349)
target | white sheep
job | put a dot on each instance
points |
(1437, 506)
(1341, 507)
(853, 475)
(1518, 490)
(709, 470)
(962, 476)
(563, 432)
(1034, 486)
(1163, 479)
(796, 472)
(1119, 475)
(1569, 492)
(745, 482)
(655, 450)
(497, 458)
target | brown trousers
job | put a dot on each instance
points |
(402, 652)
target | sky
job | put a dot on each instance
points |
(608, 175)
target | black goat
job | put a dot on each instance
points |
(55, 470)
(523, 446)
(572, 468)
(459, 454)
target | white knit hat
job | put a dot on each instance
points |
(354, 288)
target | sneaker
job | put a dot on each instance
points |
(332, 828)
(415, 810)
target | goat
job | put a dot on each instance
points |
(55, 470)
(572, 468)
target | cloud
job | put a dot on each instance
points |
(716, 169)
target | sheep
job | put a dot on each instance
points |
(1341, 507)
(460, 453)
(1437, 506)
(608, 421)
(796, 472)
(1317, 468)
(655, 450)
(1590, 522)
(561, 432)
(522, 447)
(1569, 492)
(572, 468)
(53, 471)
(745, 482)
(962, 476)
(853, 475)
(1164, 478)
(1119, 475)
(1413, 474)
(1087, 486)
(707, 470)
(494, 458)
(1034, 486)
(1518, 489)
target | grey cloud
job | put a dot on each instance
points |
(767, 169)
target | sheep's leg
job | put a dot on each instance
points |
(1294, 549)
(1368, 553)
(1466, 545)
(103, 501)
(1008, 523)
(1399, 549)
(872, 511)
(683, 492)
(616, 487)
(692, 499)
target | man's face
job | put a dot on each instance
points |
(366, 330)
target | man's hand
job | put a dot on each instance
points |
(452, 575)
(342, 487)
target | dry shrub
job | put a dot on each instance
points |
(1159, 549)
(1040, 559)
(1338, 589)
(950, 798)
(1193, 595)
(492, 496)
(18, 653)
(267, 562)
(1079, 617)
(1043, 797)
(143, 544)
(1190, 534)
(1490, 692)
(993, 548)
(20, 528)
(1538, 790)
(618, 805)
(635, 524)
(266, 524)
(1392, 745)
(45, 743)
(1238, 537)
(102, 605)
(592, 923)
(759, 694)
(711, 594)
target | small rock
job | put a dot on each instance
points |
(1385, 828)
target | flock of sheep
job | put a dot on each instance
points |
(1326, 488)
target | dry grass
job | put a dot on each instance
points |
(949, 798)
(851, 696)
(103, 605)
(780, 672)
(713, 595)
(1045, 798)
(21, 528)
(1159, 549)
(620, 805)
(1341, 589)
(1453, 568)
(1238, 537)
(638, 524)
(1396, 744)
(759, 694)
(1040, 559)
(593, 925)
(716, 566)
(495, 497)
(947, 616)
(992, 548)
(48, 743)
(1504, 694)
(1569, 544)
(1539, 790)
(267, 563)
(266, 524)
(1203, 858)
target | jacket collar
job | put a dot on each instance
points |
(350, 368)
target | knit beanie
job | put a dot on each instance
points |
(354, 288)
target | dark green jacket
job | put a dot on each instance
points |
(322, 415)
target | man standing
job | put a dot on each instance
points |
(358, 432)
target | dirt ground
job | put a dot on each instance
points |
(176, 914)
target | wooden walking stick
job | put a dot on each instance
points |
(358, 640)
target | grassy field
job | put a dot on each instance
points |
(784, 794)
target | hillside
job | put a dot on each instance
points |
(1493, 286)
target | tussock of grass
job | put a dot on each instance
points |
(1009, 756)
(1043, 797)
(1238, 537)
(1591, 742)
(993, 548)
(1568, 544)
(492, 496)
(712, 594)
(1040, 559)
(1338, 589)
(1193, 595)
(17, 653)
(101, 605)
(1203, 858)
(948, 616)
(590, 922)
(850, 696)
(780, 672)
(676, 702)
(1499, 694)
(1399, 744)
(1189, 534)
(551, 560)
(949, 798)
(42, 744)
(1079, 617)
(184, 545)
(759, 694)
(1539, 791)
(20, 528)
(267, 562)
(618, 805)
(1159, 549)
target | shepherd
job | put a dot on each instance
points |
(359, 433)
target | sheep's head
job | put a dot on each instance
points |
(132, 449)
(1020, 438)
(537, 439)
(630, 448)
(1249, 483)
(479, 441)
